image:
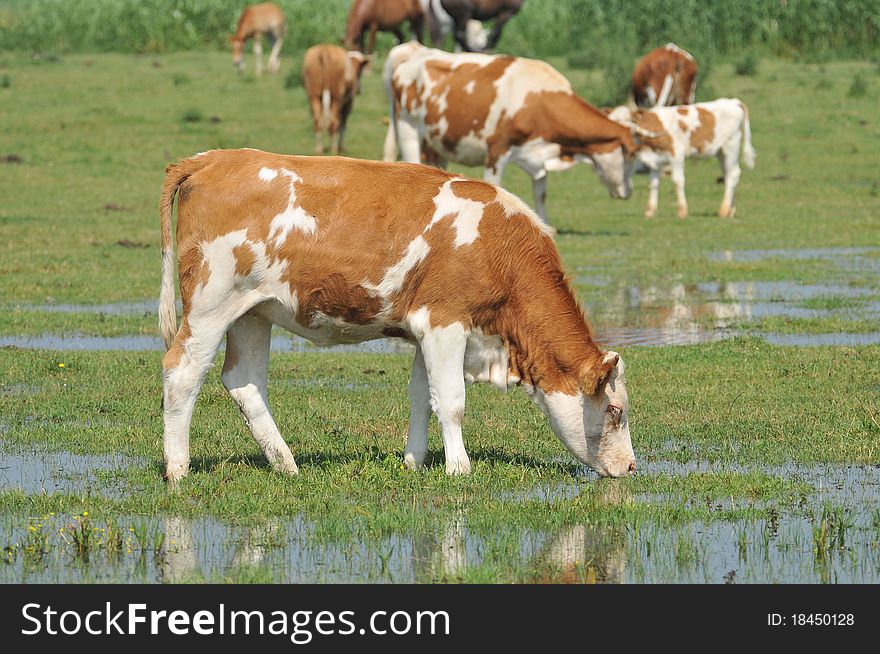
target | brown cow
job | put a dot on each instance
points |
(331, 77)
(664, 77)
(255, 21)
(381, 15)
(343, 250)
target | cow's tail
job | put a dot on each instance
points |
(748, 151)
(175, 175)
(325, 108)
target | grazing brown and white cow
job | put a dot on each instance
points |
(719, 128)
(381, 15)
(255, 21)
(319, 246)
(663, 77)
(491, 110)
(331, 77)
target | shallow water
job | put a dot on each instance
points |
(35, 471)
(780, 548)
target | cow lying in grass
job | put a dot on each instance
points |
(489, 110)
(331, 77)
(719, 128)
(343, 251)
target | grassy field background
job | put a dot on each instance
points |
(734, 439)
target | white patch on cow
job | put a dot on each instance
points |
(469, 87)
(513, 206)
(201, 154)
(671, 47)
(394, 277)
(419, 322)
(292, 217)
(468, 213)
(486, 359)
(267, 174)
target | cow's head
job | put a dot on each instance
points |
(355, 62)
(477, 36)
(593, 422)
(237, 52)
(614, 165)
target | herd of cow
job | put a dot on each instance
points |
(340, 250)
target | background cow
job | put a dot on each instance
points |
(718, 128)
(263, 19)
(320, 247)
(381, 15)
(461, 12)
(665, 76)
(441, 24)
(331, 77)
(490, 110)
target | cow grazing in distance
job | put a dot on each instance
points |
(319, 246)
(491, 110)
(665, 76)
(381, 15)
(331, 77)
(256, 21)
(441, 24)
(719, 128)
(461, 13)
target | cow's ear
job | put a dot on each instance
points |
(598, 377)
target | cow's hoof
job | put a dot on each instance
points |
(286, 467)
(412, 461)
(682, 213)
(458, 467)
(649, 213)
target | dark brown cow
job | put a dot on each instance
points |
(381, 15)
(664, 77)
(331, 77)
(456, 16)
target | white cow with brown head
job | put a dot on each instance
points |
(491, 110)
(319, 246)
(707, 129)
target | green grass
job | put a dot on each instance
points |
(79, 224)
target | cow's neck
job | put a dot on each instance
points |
(549, 341)
(578, 127)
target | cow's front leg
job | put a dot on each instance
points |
(419, 414)
(678, 180)
(539, 187)
(443, 350)
(653, 193)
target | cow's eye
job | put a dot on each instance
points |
(616, 412)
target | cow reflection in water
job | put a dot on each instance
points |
(179, 562)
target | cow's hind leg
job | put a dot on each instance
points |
(729, 157)
(184, 368)
(443, 349)
(653, 193)
(245, 376)
(419, 414)
(539, 187)
(275, 54)
(678, 181)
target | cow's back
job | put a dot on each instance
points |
(324, 69)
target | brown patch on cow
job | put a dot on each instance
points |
(244, 259)
(649, 121)
(704, 134)
(474, 190)
(466, 113)
(683, 111)
(337, 297)
(172, 357)
(682, 126)
(363, 231)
